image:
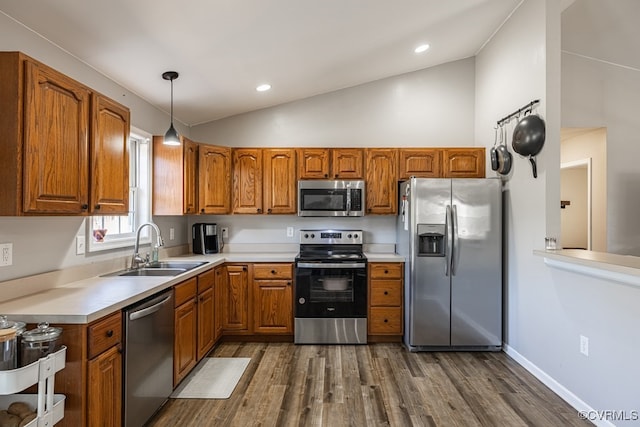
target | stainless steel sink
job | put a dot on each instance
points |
(187, 265)
(145, 271)
(162, 268)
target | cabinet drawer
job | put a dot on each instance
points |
(104, 333)
(272, 271)
(184, 291)
(385, 321)
(206, 280)
(386, 293)
(385, 271)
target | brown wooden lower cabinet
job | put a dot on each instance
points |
(273, 298)
(206, 313)
(236, 299)
(385, 299)
(185, 344)
(105, 389)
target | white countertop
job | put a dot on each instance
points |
(83, 301)
(618, 268)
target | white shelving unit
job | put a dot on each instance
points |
(48, 406)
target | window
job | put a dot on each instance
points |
(111, 231)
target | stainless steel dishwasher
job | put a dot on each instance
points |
(148, 361)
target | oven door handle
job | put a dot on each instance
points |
(331, 265)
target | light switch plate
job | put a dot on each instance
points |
(80, 245)
(289, 231)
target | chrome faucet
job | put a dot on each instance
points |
(136, 259)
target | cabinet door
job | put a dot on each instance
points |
(219, 293)
(206, 313)
(105, 389)
(214, 181)
(464, 162)
(382, 185)
(313, 163)
(236, 300)
(109, 157)
(189, 177)
(247, 180)
(346, 163)
(279, 174)
(273, 307)
(419, 162)
(56, 143)
(185, 340)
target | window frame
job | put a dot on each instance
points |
(139, 202)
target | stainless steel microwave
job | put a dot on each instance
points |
(331, 198)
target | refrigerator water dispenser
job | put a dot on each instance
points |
(431, 240)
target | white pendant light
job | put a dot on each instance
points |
(171, 137)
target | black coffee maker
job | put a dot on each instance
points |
(206, 239)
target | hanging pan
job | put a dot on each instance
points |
(493, 153)
(528, 138)
(504, 156)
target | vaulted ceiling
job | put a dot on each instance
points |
(224, 49)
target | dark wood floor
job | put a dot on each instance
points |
(373, 385)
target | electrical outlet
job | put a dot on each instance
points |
(6, 254)
(584, 345)
(289, 231)
(225, 232)
(172, 233)
(80, 245)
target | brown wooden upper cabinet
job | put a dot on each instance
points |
(382, 181)
(420, 162)
(50, 125)
(214, 179)
(330, 163)
(191, 178)
(264, 181)
(279, 179)
(109, 157)
(463, 162)
(247, 180)
(175, 171)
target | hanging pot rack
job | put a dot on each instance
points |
(517, 112)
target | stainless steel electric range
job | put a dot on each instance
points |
(331, 288)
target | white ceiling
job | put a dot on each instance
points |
(603, 29)
(224, 48)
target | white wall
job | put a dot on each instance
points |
(430, 107)
(547, 309)
(46, 244)
(598, 94)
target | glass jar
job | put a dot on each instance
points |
(38, 343)
(10, 333)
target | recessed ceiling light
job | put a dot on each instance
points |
(263, 88)
(421, 48)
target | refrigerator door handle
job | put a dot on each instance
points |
(449, 243)
(455, 253)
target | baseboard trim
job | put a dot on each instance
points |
(573, 400)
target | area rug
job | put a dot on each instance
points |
(214, 378)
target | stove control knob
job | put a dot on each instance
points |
(302, 301)
(355, 236)
(306, 236)
(313, 235)
(349, 236)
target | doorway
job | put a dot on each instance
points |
(575, 204)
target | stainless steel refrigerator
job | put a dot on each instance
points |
(450, 232)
